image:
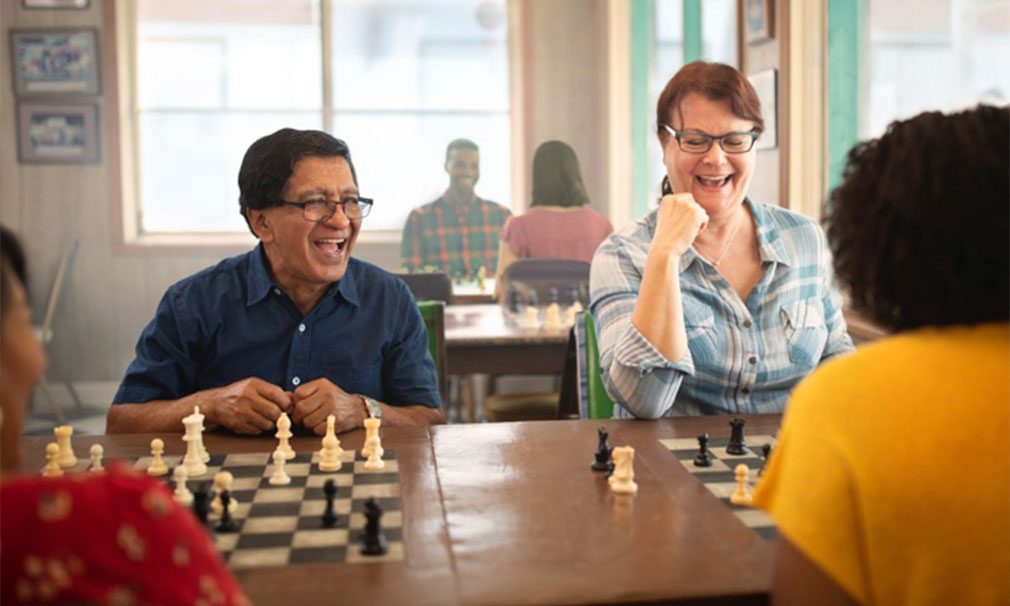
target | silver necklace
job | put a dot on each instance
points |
(725, 249)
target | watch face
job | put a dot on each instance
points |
(373, 408)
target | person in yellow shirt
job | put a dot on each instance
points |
(890, 482)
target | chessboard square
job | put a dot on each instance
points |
(205, 476)
(278, 495)
(314, 555)
(225, 542)
(292, 469)
(723, 490)
(245, 472)
(716, 467)
(390, 520)
(216, 460)
(247, 459)
(242, 510)
(342, 478)
(274, 509)
(389, 467)
(245, 484)
(364, 491)
(320, 538)
(685, 455)
(343, 492)
(680, 443)
(753, 518)
(304, 456)
(315, 508)
(354, 555)
(270, 524)
(263, 540)
(255, 558)
(296, 482)
(316, 522)
(387, 504)
(388, 454)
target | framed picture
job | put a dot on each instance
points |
(57, 133)
(55, 3)
(55, 61)
(759, 19)
(765, 84)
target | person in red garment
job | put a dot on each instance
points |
(115, 537)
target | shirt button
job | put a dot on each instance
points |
(296, 381)
(301, 328)
(746, 324)
(753, 360)
(745, 391)
(277, 291)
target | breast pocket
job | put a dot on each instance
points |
(805, 332)
(699, 322)
(366, 379)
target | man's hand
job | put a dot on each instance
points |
(248, 406)
(316, 400)
(679, 221)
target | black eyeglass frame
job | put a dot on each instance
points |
(753, 134)
(365, 204)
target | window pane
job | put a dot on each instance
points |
(400, 158)
(669, 58)
(189, 166)
(718, 36)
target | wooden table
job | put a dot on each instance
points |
(482, 339)
(511, 513)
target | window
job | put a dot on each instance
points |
(405, 77)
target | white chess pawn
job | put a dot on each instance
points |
(280, 476)
(741, 496)
(553, 321)
(573, 309)
(622, 481)
(222, 482)
(329, 456)
(53, 468)
(158, 467)
(66, 457)
(284, 435)
(531, 318)
(182, 494)
(373, 445)
(96, 458)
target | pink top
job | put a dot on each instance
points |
(569, 234)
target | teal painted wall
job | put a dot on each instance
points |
(642, 36)
(847, 22)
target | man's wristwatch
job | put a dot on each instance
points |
(372, 407)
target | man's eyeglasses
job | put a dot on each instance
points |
(322, 209)
(697, 142)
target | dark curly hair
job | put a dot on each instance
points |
(920, 227)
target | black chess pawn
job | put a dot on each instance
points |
(373, 542)
(531, 298)
(703, 458)
(329, 516)
(603, 461)
(766, 451)
(226, 523)
(736, 444)
(552, 296)
(201, 503)
(515, 300)
(573, 294)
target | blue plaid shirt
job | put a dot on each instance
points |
(743, 356)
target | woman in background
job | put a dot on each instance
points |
(559, 224)
(890, 482)
(112, 538)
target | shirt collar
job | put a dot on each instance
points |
(456, 202)
(770, 245)
(260, 283)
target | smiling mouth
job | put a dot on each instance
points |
(713, 182)
(331, 246)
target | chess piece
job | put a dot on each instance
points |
(204, 455)
(222, 483)
(741, 496)
(157, 467)
(703, 458)
(553, 321)
(284, 435)
(622, 481)
(329, 456)
(602, 461)
(373, 540)
(571, 312)
(226, 523)
(66, 457)
(481, 279)
(329, 515)
(193, 460)
(515, 300)
(766, 451)
(736, 444)
(182, 494)
(531, 318)
(373, 445)
(53, 469)
(201, 506)
(96, 458)
(280, 477)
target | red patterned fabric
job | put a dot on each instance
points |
(116, 537)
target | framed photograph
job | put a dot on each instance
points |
(55, 3)
(765, 84)
(55, 61)
(759, 19)
(57, 133)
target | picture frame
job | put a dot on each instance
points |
(55, 61)
(44, 4)
(765, 84)
(57, 133)
(759, 20)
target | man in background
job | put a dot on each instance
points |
(458, 233)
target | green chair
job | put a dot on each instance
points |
(433, 313)
(600, 406)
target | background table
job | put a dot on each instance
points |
(511, 513)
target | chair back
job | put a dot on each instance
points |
(594, 401)
(433, 313)
(429, 287)
(541, 275)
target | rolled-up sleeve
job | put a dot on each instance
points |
(637, 376)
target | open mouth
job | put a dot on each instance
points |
(331, 247)
(713, 182)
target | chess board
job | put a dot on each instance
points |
(282, 525)
(719, 478)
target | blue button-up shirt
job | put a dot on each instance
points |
(230, 322)
(744, 356)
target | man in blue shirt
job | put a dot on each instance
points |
(295, 325)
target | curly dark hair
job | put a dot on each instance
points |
(920, 226)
